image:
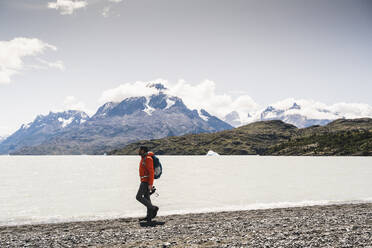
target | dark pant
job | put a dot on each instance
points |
(143, 196)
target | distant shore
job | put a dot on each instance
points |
(345, 225)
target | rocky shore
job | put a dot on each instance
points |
(347, 225)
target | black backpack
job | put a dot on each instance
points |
(158, 169)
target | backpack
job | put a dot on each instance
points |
(158, 169)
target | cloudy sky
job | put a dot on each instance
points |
(65, 54)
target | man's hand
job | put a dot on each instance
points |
(150, 188)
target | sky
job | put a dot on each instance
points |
(221, 55)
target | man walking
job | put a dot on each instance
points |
(146, 172)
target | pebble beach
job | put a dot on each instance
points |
(344, 225)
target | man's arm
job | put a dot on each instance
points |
(150, 169)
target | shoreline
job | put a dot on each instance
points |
(254, 206)
(337, 225)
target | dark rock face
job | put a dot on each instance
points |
(128, 106)
(113, 125)
(158, 101)
(215, 122)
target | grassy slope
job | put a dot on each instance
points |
(340, 137)
(249, 139)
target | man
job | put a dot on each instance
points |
(146, 172)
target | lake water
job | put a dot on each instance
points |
(45, 189)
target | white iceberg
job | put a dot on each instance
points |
(212, 153)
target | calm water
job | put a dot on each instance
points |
(39, 189)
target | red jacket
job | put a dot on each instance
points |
(146, 169)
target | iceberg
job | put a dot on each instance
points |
(212, 153)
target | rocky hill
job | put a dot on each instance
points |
(340, 137)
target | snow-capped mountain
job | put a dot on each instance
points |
(42, 128)
(295, 114)
(236, 119)
(102, 111)
(115, 124)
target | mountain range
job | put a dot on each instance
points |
(294, 114)
(114, 124)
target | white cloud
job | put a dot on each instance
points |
(12, 52)
(5, 74)
(5, 131)
(352, 110)
(57, 65)
(71, 103)
(67, 7)
(318, 110)
(106, 11)
(128, 90)
(203, 96)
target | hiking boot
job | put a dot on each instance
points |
(154, 212)
(148, 216)
(143, 219)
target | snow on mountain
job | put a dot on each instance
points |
(42, 128)
(237, 119)
(164, 106)
(26, 126)
(301, 113)
(148, 109)
(170, 102)
(233, 119)
(294, 115)
(202, 115)
(65, 122)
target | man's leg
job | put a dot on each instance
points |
(143, 196)
(154, 210)
(147, 196)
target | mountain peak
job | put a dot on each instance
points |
(269, 109)
(104, 109)
(295, 106)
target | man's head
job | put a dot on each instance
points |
(142, 150)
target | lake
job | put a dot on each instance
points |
(48, 189)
